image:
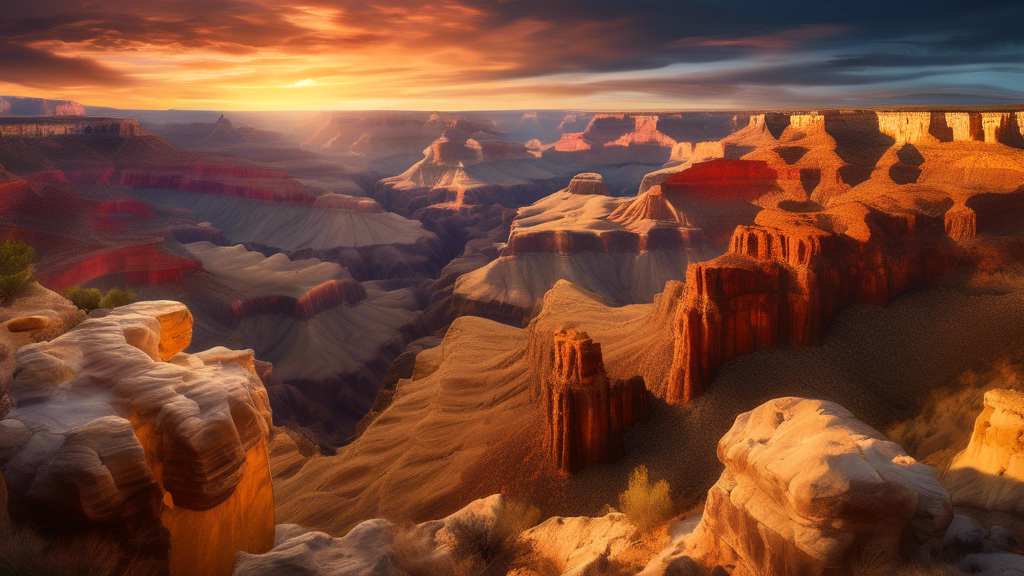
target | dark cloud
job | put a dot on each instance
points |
(37, 68)
(421, 47)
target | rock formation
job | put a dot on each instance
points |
(20, 106)
(140, 265)
(112, 424)
(988, 474)
(377, 546)
(786, 277)
(808, 489)
(579, 545)
(585, 412)
(587, 183)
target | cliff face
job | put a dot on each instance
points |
(113, 424)
(810, 490)
(785, 278)
(585, 412)
(40, 128)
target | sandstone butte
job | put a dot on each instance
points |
(585, 412)
(113, 425)
(809, 490)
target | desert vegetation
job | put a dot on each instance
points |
(646, 504)
(16, 272)
(90, 299)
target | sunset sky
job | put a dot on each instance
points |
(510, 54)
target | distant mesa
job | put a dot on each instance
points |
(588, 183)
(21, 106)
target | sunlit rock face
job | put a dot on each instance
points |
(585, 412)
(989, 473)
(112, 424)
(810, 490)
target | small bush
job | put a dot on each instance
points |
(15, 268)
(646, 505)
(118, 297)
(87, 299)
(25, 551)
(497, 546)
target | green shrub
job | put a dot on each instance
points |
(118, 297)
(15, 268)
(646, 505)
(87, 299)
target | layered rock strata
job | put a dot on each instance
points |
(810, 490)
(585, 412)
(786, 277)
(112, 424)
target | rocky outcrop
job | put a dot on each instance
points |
(21, 106)
(587, 183)
(143, 264)
(586, 413)
(326, 296)
(810, 490)
(786, 277)
(112, 424)
(69, 126)
(651, 205)
(579, 545)
(378, 547)
(989, 473)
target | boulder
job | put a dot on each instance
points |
(581, 545)
(28, 323)
(808, 489)
(105, 432)
(989, 473)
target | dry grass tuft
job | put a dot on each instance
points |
(23, 552)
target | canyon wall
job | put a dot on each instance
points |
(786, 277)
(21, 106)
(217, 179)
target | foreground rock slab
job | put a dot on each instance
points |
(113, 425)
(808, 489)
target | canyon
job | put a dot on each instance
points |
(363, 323)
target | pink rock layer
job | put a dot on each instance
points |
(142, 264)
(224, 180)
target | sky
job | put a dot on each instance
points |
(512, 54)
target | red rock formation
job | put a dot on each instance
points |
(326, 296)
(142, 264)
(225, 180)
(118, 214)
(986, 214)
(585, 412)
(787, 276)
(728, 180)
